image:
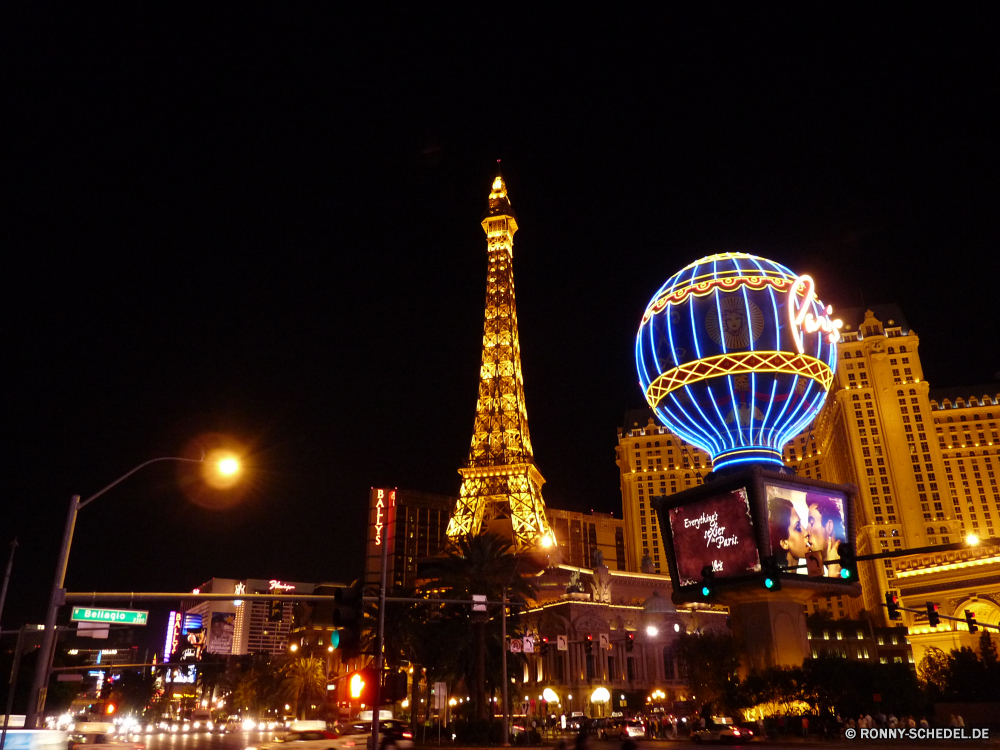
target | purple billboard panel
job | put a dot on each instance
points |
(802, 520)
(716, 531)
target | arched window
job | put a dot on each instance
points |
(847, 355)
(951, 419)
(892, 350)
(913, 392)
(902, 350)
(944, 530)
(962, 418)
(868, 397)
(855, 397)
(881, 533)
(670, 442)
(895, 532)
(930, 529)
(662, 476)
(975, 417)
(687, 476)
(649, 445)
(989, 415)
(899, 393)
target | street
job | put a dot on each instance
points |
(242, 740)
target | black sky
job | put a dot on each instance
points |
(265, 223)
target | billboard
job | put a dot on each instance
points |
(736, 520)
(805, 519)
(220, 637)
(715, 531)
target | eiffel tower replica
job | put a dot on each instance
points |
(501, 486)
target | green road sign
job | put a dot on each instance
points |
(122, 616)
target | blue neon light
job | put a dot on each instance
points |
(766, 408)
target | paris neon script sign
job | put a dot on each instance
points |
(803, 321)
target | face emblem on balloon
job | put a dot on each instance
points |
(741, 322)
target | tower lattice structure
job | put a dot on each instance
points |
(501, 480)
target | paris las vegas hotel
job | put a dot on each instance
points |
(925, 461)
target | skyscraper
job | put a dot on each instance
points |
(501, 486)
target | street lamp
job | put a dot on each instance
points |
(221, 464)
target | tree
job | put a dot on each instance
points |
(301, 679)
(710, 661)
(482, 564)
(934, 671)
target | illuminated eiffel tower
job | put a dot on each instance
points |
(500, 483)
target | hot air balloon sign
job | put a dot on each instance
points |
(736, 354)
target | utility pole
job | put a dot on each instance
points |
(6, 577)
(379, 650)
(503, 669)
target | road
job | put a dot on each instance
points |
(242, 740)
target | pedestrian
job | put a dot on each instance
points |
(805, 725)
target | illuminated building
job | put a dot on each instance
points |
(411, 524)
(924, 480)
(241, 627)
(619, 630)
(579, 535)
(652, 462)
(501, 486)
(859, 640)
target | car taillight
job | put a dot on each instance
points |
(407, 735)
(349, 743)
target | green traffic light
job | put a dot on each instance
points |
(768, 583)
(845, 573)
(705, 591)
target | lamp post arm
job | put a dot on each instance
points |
(123, 477)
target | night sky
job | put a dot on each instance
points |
(247, 221)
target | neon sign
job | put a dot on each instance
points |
(173, 634)
(801, 317)
(380, 498)
(736, 354)
(279, 586)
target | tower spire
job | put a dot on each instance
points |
(500, 483)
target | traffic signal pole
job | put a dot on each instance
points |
(380, 650)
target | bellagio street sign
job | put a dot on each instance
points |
(121, 616)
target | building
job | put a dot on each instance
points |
(501, 486)
(235, 627)
(607, 633)
(925, 462)
(651, 462)
(412, 525)
(580, 535)
(858, 640)
(887, 432)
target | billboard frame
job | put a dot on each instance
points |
(754, 479)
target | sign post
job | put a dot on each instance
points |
(120, 616)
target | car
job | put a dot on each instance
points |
(722, 729)
(99, 733)
(631, 730)
(313, 739)
(392, 733)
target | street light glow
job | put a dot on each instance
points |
(972, 540)
(652, 631)
(228, 466)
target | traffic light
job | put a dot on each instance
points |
(590, 643)
(772, 579)
(277, 611)
(707, 581)
(892, 604)
(348, 614)
(970, 619)
(542, 646)
(932, 615)
(848, 562)
(394, 687)
(629, 641)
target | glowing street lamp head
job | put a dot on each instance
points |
(736, 354)
(228, 466)
(972, 540)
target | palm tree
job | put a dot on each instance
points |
(482, 564)
(303, 678)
